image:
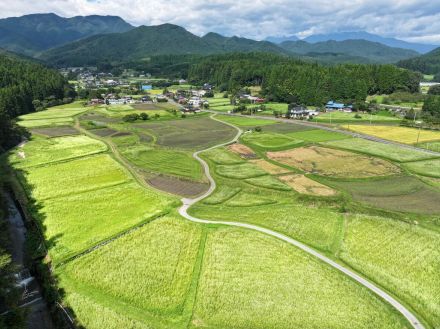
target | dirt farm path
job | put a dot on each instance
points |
(187, 203)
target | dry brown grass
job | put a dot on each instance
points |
(305, 185)
(242, 150)
(336, 163)
(270, 167)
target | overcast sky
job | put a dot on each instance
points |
(411, 20)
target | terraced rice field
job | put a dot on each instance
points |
(153, 269)
(78, 175)
(379, 149)
(268, 285)
(335, 163)
(269, 167)
(55, 131)
(56, 116)
(144, 276)
(42, 151)
(342, 117)
(398, 134)
(305, 185)
(170, 162)
(403, 257)
(426, 168)
(270, 141)
(318, 135)
(191, 133)
(245, 121)
(399, 193)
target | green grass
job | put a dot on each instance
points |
(244, 199)
(76, 222)
(221, 194)
(245, 121)
(403, 258)
(250, 280)
(171, 162)
(268, 182)
(46, 122)
(342, 117)
(55, 116)
(426, 168)
(222, 156)
(41, 151)
(240, 171)
(270, 141)
(318, 135)
(432, 146)
(149, 270)
(379, 149)
(80, 175)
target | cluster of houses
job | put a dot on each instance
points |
(334, 106)
(252, 99)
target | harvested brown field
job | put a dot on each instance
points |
(190, 133)
(104, 132)
(55, 131)
(177, 186)
(270, 167)
(242, 150)
(305, 185)
(122, 133)
(98, 117)
(335, 163)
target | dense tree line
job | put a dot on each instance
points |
(431, 109)
(24, 87)
(290, 80)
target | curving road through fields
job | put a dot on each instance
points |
(187, 203)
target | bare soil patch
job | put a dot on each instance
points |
(55, 131)
(104, 132)
(122, 133)
(177, 186)
(305, 185)
(334, 163)
(242, 150)
(270, 167)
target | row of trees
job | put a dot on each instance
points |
(26, 86)
(289, 80)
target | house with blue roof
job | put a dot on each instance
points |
(332, 106)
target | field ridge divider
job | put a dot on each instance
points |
(111, 239)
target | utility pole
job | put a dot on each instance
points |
(418, 134)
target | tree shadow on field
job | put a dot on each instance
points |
(37, 258)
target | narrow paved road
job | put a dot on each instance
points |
(319, 126)
(183, 211)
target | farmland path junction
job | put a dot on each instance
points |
(187, 203)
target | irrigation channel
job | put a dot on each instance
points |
(187, 203)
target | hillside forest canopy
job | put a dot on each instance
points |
(25, 87)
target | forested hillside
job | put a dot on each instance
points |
(428, 63)
(25, 86)
(285, 79)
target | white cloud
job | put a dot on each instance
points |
(415, 20)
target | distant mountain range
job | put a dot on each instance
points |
(31, 34)
(372, 52)
(89, 40)
(361, 35)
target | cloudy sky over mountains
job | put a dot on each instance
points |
(411, 20)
